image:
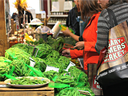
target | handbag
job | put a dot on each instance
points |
(113, 60)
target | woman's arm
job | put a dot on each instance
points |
(67, 32)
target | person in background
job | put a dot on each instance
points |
(71, 19)
(120, 9)
(88, 8)
(73, 23)
(28, 16)
(14, 16)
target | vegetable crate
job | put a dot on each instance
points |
(41, 91)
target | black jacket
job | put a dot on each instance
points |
(28, 16)
(72, 22)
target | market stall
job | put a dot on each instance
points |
(32, 64)
(42, 59)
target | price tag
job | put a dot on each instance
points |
(3, 86)
(70, 64)
(48, 68)
(32, 62)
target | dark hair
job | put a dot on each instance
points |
(111, 2)
(88, 8)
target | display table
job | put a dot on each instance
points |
(41, 91)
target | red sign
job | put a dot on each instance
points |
(96, 84)
(117, 48)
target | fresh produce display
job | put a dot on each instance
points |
(64, 61)
(4, 67)
(43, 50)
(16, 53)
(27, 81)
(61, 62)
(76, 73)
(27, 38)
(70, 92)
(75, 86)
(20, 68)
(50, 74)
(56, 44)
(66, 79)
(19, 58)
(83, 91)
(53, 54)
(40, 64)
(3, 59)
(24, 47)
(69, 40)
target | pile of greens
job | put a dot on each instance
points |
(4, 67)
(43, 50)
(40, 64)
(20, 68)
(50, 74)
(76, 73)
(56, 44)
(16, 53)
(27, 81)
(24, 47)
(70, 40)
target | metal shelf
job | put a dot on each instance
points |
(55, 23)
(57, 15)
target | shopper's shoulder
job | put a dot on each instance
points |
(72, 9)
(116, 8)
(104, 13)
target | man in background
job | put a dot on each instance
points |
(71, 19)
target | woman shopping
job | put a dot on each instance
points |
(88, 8)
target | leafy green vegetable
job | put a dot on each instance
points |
(16, 53)
(20, 68)
(27, 81)
(50, 74)
(44, 50)
(75, 72)
(24, 47)
(4, 67)
(56, 44)
(40, 63)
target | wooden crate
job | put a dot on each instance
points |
(4, 44)
(42, 91)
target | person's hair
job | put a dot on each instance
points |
(88, 8)
(111, 2)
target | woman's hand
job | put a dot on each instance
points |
(66, 52)
(79, 45)
(66, 32)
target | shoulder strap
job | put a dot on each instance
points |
(112, 17)
(103, 52)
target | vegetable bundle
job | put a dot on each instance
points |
(76, 73)
(50, 74)
(4, 67)
(44, 50)
(16, 53)
(40, 64)
(56, 44)
(24, 47)
(27, 81)
(20, 68)
(66, 79)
